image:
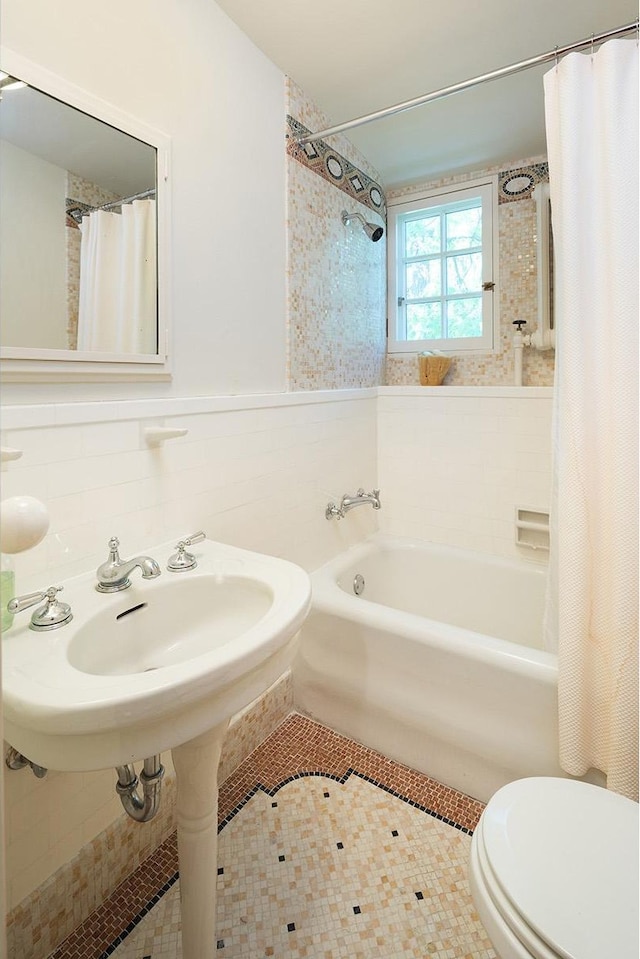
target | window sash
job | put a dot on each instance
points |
(439, 203)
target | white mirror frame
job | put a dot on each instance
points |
(20, 364)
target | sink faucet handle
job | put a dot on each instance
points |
(182, 560)
(193, 538)
(20, 603)
(114, 543)
(48, 616)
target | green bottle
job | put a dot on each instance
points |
(7, 591)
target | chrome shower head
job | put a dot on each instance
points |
(373, 231)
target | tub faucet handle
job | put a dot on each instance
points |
(333, 510)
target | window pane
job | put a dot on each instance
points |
(464, 273)
(464, 317)
(423, 279)
(424, 321)
(422, 237)
(464, 229)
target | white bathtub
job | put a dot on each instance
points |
(437, 664)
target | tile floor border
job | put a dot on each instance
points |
(300, 747)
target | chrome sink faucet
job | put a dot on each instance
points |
(351, 501)
(113, 574)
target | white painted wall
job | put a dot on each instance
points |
(184, 68)
(33, 277)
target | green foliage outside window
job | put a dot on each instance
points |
(443, 274)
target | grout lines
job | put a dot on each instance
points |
(288, 807)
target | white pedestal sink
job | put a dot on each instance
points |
(161, 665)
(196, 766)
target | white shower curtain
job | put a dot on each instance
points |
(591, 105)
(117, 309)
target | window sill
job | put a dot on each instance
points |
(518, 392)
(478, 351)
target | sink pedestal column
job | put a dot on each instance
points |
(196, 766)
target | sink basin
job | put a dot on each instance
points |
(147, 669)
(177, 621)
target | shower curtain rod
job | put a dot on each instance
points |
(127, 199)
(77, 212)
(467, 84)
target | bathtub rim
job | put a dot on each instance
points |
(329, 597)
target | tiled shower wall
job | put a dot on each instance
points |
(336, 275)
(254, 471)
(517, 291)
(337, 281)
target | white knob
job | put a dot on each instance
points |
(24, 522)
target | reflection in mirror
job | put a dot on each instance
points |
(78, 230)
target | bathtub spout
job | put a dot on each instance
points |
(351, 501)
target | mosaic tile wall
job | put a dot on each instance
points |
(518, 294)
(73, 892)
(336, 275)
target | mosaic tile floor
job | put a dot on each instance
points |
(326, 850)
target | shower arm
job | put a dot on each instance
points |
(373, 230)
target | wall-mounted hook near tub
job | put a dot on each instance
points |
(156, 435)
(8, 453)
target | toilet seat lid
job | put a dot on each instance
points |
(565, 854)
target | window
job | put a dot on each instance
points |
(441, 279)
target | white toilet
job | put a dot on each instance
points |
(554, 871)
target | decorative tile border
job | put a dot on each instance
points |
(101, 934)
(518, 184)
(299, 747)
(335, 168)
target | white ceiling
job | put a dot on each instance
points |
(354, 57)
(70, 139)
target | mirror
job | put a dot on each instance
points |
(82, 232)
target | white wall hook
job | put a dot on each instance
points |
(156, 435)
(8, 453)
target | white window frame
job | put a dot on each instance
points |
(487, 189)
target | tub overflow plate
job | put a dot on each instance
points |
(358, 584)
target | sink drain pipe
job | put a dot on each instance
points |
(15, 760)
(141, 809)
